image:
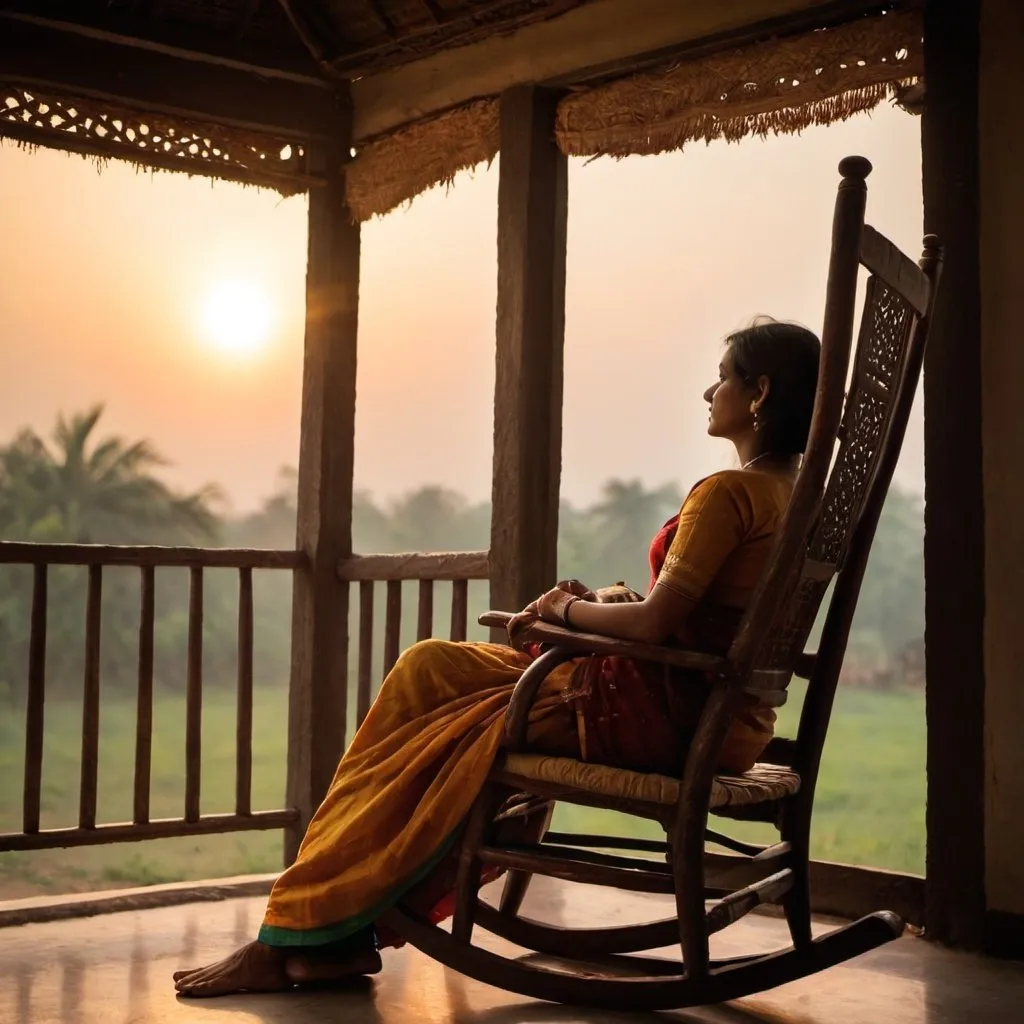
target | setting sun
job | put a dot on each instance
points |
(236, 318)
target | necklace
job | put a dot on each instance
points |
(757, 458)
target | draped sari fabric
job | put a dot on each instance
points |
(391, 818)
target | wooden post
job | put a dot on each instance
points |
(954, 546)
(1000, 136)
(532, 216)
(318, 694)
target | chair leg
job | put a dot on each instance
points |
(512, 895)
(796, 830)
(517, 882)
(687, 859)
(693, 932)
(467, 883)
(686, 836)
(797, 905)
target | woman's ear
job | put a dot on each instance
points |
(764, 385)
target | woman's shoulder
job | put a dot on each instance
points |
(728, 479)
(757, 492)
(721, 491)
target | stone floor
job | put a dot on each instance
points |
(116, 968)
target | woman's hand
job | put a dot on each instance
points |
(563, 590)
(576, 589)
(519, 622)
(553, 605)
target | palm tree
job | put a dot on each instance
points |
(81, 489)
(624, 521)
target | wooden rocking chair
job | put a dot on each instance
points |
(826, 536)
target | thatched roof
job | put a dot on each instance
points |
(234, 89)
(774, 87)
(343, 37)
(255, 90)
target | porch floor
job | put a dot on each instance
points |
(117, 968)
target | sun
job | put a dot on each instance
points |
(236, 318)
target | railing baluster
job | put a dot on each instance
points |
(425, 618)
(194, 694)
(365, 650)
(460, 609)
(91, 701)
(243, 741)
(395, 570)
(36, 700)
(144, 707)
(392, 625)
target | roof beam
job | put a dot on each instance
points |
(69, 63)
(177, 40)
(598, 39)
(308, 27)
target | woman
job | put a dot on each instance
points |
(387, 827)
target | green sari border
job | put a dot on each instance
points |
(273, 935)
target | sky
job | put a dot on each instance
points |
(179, 304)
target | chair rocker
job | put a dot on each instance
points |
(826, 536)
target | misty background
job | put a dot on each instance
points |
(120, 423)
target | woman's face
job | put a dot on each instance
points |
(730, 400)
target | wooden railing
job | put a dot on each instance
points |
(393, 570)
(147, 559)
(458, 568)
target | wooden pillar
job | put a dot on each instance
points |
(973, 140)
(320, 643)
(954, 513)
(532, 216)
(1001, 219)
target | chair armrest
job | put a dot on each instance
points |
(517, 716)
(593, 643)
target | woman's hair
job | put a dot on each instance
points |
(787, 354)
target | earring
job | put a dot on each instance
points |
(754, 411)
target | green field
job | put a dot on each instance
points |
(869, 809)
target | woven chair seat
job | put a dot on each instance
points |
(762, 783)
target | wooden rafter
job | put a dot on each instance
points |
(67, 63)
(381, 17)
(310, 32)
(66, 91)
(142, 30)
(433, 10)
(245, 20)
(450, 28)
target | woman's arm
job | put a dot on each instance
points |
(652, 620)
(713, 521)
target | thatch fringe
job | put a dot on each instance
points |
(779, 86)
(783, 85)
(100, 163)
(151, 141)
(392, 170)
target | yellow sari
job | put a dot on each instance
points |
(421, 756)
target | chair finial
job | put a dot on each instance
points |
(932, 246)
(856, 167)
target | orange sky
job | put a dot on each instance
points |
(103, 276)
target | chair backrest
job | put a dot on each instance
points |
(851, 455)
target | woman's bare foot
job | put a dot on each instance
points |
(253, 968)
(326, 966)
(260, 968)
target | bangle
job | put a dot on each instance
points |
(565, 611)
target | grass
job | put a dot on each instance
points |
(870, 800)
(154, 861)
(869, 805)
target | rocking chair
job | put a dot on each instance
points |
(826, 536)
